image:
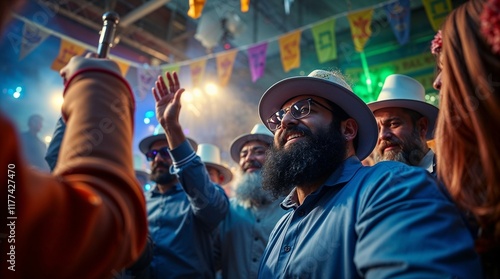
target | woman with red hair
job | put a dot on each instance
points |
(467, 131)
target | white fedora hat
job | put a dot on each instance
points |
(259, 132)
(210, 155)
(146, 142)
(327, 85)
(400, 91)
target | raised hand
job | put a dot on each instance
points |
(168, 99)
(168, 107)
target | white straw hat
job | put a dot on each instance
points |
(400, 91)
(210, 155)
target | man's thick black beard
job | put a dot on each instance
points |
(162, 178)
(304, 163)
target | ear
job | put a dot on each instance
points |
(349, 129)
(422, 125)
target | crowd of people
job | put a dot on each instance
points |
(304, 204)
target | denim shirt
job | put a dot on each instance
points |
(183, 221)
(385, 221)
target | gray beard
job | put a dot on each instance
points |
(411, 153)
(249, 192)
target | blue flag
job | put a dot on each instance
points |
(398, 14)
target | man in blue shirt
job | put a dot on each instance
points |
(350, 221)
(184, 207)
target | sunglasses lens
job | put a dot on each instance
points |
(151, 154)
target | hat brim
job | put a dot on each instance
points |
(238, 143)
(425, 109)
(146, 143)
(226, 173)
(282, 91)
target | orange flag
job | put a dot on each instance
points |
(66, 51)
(124, 66)
(290, 50)
(197, 72)
(195, 8)
(245, 4)
(225, 62)
(360, 28)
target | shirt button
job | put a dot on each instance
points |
(287, 249)
(256, 239)
(301, 213)
(258, 220)
(254, 260)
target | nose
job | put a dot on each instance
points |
(384, 133)
(437, 82)
(288, 120)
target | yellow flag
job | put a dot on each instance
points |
(197, 72)
(360, 27)
(290, 50)
(245, 4)
(437, 10)
(66, 51)
(225, 62)
(170, 68)
(195, 8)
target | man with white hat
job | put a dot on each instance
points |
(185, 206)
(405, 123)
(252, 212)
(219, 173)
(347, 220)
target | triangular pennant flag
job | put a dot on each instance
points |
(290, 50)
(197, 72)
(66, 51)
(245, 4)
(257, 60)
(170, 68)
(146, 77)
(361, 31)
(32, 38)
(124, 66)
(195, 8)
(398, 14)
(437, 10)
(324, 41)
(225, 62)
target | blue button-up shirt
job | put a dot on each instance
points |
(386, 221)
(183, 221)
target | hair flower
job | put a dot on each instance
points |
(490, 24)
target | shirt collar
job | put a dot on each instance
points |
(428, 161)
(341, 175)
(154, 192)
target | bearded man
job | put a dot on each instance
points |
(348, 220)
(405, 122)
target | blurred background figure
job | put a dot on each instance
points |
(219, 172)
(34, 149)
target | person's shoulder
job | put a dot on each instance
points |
(393, 167)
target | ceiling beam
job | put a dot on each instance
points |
(142, 11)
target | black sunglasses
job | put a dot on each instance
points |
(151, 154)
